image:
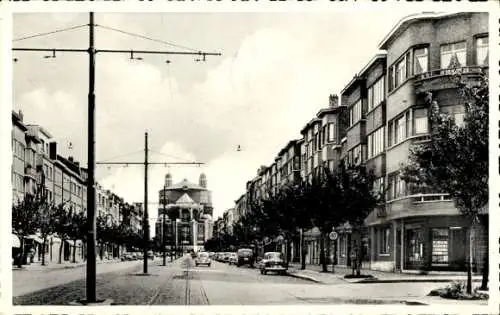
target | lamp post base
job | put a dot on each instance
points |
(99, 302)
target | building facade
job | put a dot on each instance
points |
(384, 110)
(185, 214)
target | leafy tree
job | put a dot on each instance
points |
(62, 223)
(455, 160)
(46, 223)
(76, 229)
(25, 222)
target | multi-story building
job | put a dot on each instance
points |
(364, 97)
(384, 111)
(18, 149)
(420, 228)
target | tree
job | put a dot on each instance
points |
(76, 229)
(25, 222)
(46, 223)
(455, 160)
(62, 223)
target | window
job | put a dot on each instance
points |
(376, 94)
(399, 187)
(459, 119)
(331, 132)
(384, 245)
(420, 60)
(392, 78)
(482, 51)
(355, 113)
(400, 72)
(440, 246)
(421, 121)
(379, 186)
(342, 246)
(376, 143)
(399, 129)
(453, 55)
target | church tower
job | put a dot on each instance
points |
(203, 180)
(168, 180)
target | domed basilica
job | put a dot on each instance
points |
(185, 214)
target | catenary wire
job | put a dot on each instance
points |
(49, 33)
(146, 37)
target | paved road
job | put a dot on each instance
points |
(180, 283)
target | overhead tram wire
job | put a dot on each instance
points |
(147, 38)
(49, 33)
(170, 156)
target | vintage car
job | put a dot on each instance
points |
(245, 257)
(233, 258)
(273, 261)
(202, 259)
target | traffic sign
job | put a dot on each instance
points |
(333, 236)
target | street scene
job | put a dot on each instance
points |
(251, 159)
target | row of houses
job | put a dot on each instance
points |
(38, 170)
(381, 113)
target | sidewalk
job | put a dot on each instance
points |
(314, 273)
(53, 265)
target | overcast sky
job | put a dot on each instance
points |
(276, 71)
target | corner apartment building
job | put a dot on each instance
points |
(18, 137)
(419, 228)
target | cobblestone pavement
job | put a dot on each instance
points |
(181, 283)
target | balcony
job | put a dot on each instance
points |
(441, 79)
(30, 172)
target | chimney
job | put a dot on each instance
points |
(70, 158)
(333, 100)
(77, 164)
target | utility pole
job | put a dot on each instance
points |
(91, 219)
(163, 228)
(146, 216)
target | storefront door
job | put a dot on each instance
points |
(458, 239)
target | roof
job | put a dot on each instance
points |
(408, 20)
(309, 124)
(185, 184)
(184, 199)
(40, 129)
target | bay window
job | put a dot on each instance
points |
(376, 142)
(420, 60)
(400, 74)
(453, 55)
(355, 113)
(376, 93)
(400, 129)
(482, 51)
(331, 132)
(421, 121)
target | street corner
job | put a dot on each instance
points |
(299, 275)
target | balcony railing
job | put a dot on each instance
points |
(447, 72)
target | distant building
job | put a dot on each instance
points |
(185, 214)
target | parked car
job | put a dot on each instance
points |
(226, 257)
(245, 256)
(233, 258)
(127, 257)
(273, 261)
(202, 259)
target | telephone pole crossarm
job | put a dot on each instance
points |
(150, 163)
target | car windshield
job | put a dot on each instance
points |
(273, 256)
(245, 252)
(203, 255)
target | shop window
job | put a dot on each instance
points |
(440, 246)
(342, 246)
(384, 244)
(415, 246)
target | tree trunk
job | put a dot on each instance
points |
(469, 268)
(322, 257)
(303, 251)
(60, 251)
(43, 250)
(21, 251)
(74, 251)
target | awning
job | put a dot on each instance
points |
(15, 241)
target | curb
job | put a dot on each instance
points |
(304, 277)
(407, 280)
